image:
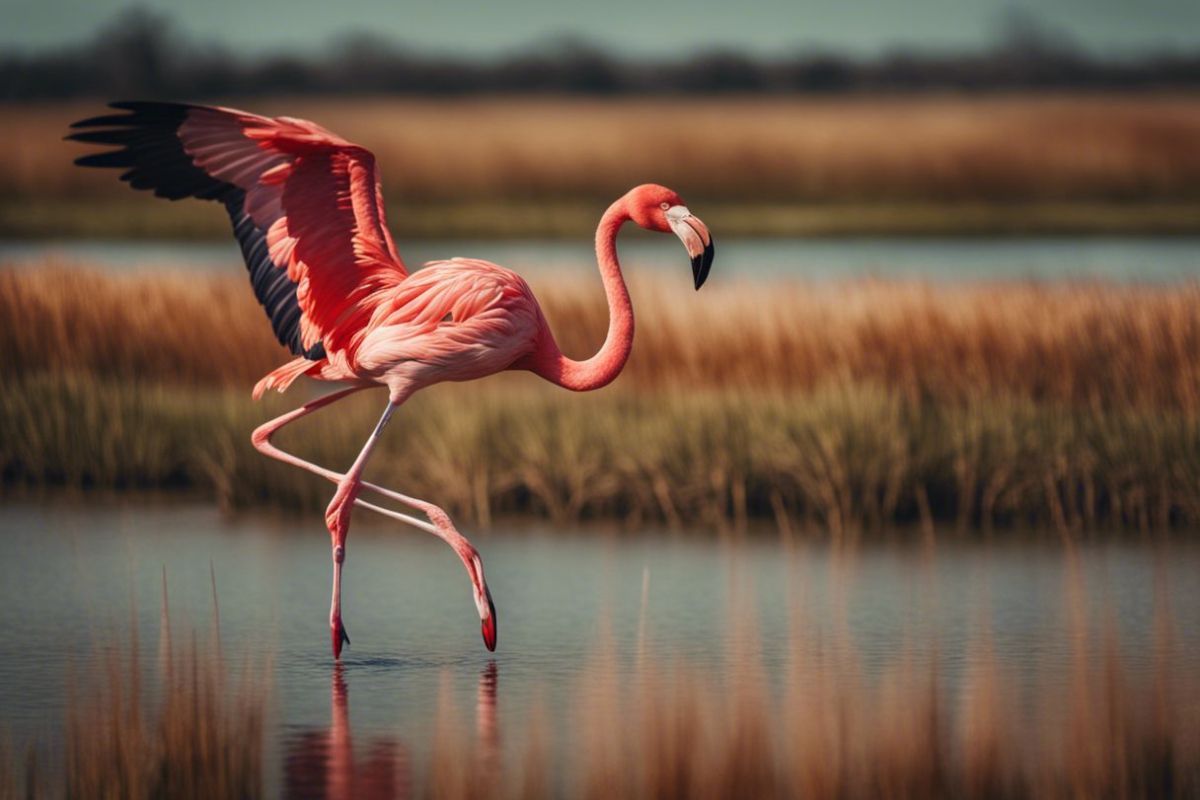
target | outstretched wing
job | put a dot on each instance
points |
(306, 206)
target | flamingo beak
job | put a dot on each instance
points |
(339, 637)
(488, 625)
(696, 240)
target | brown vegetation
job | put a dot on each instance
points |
(189, 731)
(829, 461)
(1116, 147)
(836, 405)
(752, 166)
(1078, 344)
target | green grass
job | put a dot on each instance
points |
(841, 457)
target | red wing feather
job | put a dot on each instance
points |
(306, 206)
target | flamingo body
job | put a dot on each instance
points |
(307, 210)
(454, 320)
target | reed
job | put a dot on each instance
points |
(835, 460)
(1077, 343)
(191, 731)
(841, 405)
(202, 739)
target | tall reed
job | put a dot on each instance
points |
(202, 739)
(833, 460)
(188, 729)
(1086, 343)
(836, 405)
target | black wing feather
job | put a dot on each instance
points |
(154, 159)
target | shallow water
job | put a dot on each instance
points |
(1135, 259)
(72, 577)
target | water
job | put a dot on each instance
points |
(1134, 259)
(73, 577)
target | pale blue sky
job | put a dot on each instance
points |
(636, 27)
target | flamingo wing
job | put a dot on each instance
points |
(305, 204)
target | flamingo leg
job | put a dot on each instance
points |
(337, 518)
(439, 525)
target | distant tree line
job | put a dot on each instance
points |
(141, 54)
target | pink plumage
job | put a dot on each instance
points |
(307, 210)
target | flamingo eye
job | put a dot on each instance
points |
(664, 206)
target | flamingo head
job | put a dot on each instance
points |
(657, 208)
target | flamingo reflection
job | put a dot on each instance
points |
(321, 763)
(487, 732)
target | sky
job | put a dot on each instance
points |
(664, 28)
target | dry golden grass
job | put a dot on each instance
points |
(1114, 147)
(1082, 344)
(198, 328)
(834, 406)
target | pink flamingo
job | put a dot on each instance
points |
(307, 210)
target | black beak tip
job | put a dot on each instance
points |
(701, 264)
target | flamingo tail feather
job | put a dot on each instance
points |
(282, 377)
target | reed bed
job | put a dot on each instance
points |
(1079, 344)
(832, 461)
(840, 406)
(1116, 147)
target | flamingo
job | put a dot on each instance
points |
(307, 210)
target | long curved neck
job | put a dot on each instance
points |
(606, 364)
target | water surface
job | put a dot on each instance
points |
(1134, 259)
(73, 577)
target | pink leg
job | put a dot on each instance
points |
(337, 518)
(338, 514)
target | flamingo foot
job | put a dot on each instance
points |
(488, 624)
(339, 637)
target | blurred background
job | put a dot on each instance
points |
(902, 503)
(796, 118)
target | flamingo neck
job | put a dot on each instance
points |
(606, 364)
